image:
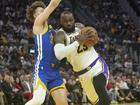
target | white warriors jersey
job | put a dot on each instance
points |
(83, 56)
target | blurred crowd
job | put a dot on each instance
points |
(119, 46)
(135, 5)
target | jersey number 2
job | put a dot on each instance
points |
(82, 48)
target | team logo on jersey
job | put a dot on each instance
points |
(88, 68)
(51, 39)
(72, 39)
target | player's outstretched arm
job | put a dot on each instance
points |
(43, 17)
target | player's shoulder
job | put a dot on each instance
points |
(61, 29)
(40, 31)
(59, 33)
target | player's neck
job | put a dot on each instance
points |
(69, 30)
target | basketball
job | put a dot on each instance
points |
(93, 39)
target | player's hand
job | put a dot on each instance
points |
(56, 2)
(82, 38)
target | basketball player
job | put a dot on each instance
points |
(45, 77)
(88, 65)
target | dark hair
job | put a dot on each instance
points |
(31, 9)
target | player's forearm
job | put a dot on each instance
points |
(62, 51)
(47, 11)
(52, 6)
(55, 3)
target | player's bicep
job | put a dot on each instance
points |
(59, 37)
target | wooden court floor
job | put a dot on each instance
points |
(127, 104)
(115, 104)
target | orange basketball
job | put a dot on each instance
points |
(92, 31)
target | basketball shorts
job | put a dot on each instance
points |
(49, 80)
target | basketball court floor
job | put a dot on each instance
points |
(127, 104)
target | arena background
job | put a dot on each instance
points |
(118, 25)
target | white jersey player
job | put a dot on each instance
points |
(86, 62)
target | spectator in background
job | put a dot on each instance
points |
(18, 92)
(71, 85)
(7, 89)
(18, 85)
(2, 98)
(1, 92)
(123, 89)
(84, 98)
(27, 86)
(114, 94)
(128, 64)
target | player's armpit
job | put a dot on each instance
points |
(38, 29)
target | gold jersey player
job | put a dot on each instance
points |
(88, 65)
(45, 76)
